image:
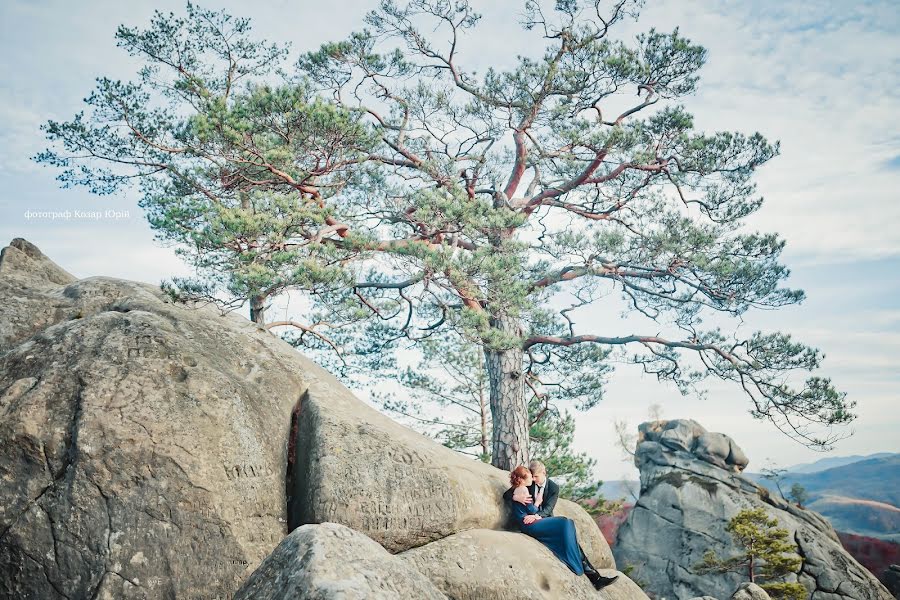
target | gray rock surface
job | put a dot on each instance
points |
(139, 440)
(23, 259)
(31, 289)
(500, 565)
(891, 579)
(158, 450)
(357, 467)
(333, 562)
(750, 591)
(687, 435)
(685, 503)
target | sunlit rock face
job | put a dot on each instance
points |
(691, 485)
(143, 444)
(156, 450)
(333, 562)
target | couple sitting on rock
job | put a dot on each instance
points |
(531, 500)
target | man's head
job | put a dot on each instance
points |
(538, 471)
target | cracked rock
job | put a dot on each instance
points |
(138, 457)
(331, 561)
(159, 450)
(690, 487)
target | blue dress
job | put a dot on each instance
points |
(557, 533)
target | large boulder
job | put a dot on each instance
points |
(590, 537)
(151, 449)
(143, 445)
(687, 498)
(750, 591)
(688, 436)
(330, 561)
(31, 288)
(480, 563)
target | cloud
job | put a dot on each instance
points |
(820, 79)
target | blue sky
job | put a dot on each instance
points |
(821, 77)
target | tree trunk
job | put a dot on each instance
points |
(258, 310)
(483, 408)
(509, 411)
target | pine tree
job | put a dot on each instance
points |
(776, 476)
(445, 395)
(405, 196)
(767, 555)
(799, 495)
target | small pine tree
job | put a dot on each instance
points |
(798, 495)
(776, 476)
(767, 555)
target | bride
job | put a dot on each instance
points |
(557, 533)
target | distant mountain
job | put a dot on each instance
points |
(874, 554)
(620, 488)
(609, 524)
(861, 517)
(875, 479)
(862, 497)
(833, 461)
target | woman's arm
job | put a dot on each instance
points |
(521, 511)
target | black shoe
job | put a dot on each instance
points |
(586, 564)
(599, 580)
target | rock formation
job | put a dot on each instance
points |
(750, 591)
(136, 438)
(891, 579)
(330, 561)
(480, 564)
(151, 449)
(690, 487)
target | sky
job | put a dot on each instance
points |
(819, 76)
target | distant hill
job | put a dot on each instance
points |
(833, 461)
(875, 479)
(861, 517)
(858, 494)
(862, 497)
(875, 555)
(609, 524)
(617, 489)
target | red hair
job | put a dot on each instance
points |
(518, 475)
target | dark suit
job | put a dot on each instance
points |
(548, 502)
(551, 495)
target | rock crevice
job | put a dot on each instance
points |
(161, 450)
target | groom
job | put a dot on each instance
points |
(544, 494)
(543, 491)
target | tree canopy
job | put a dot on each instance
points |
(406, 196)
